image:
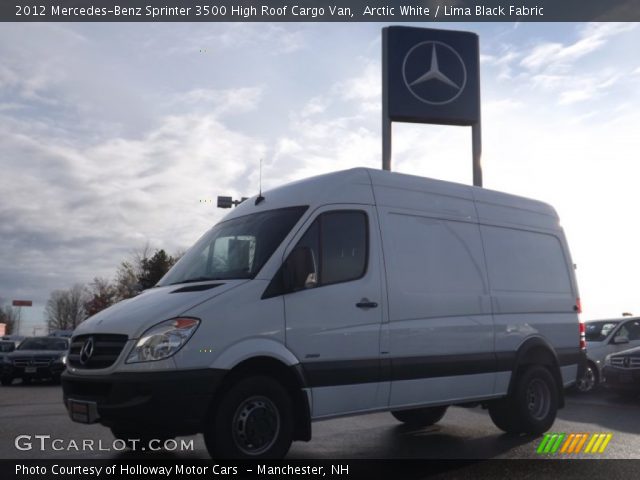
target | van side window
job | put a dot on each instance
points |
(338, 243)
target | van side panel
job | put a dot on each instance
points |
(532, 281)
(440, 329)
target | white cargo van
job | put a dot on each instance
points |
(354, 292)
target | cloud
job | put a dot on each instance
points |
(76, 211)
(278, 39)
(233, 100)
(555, 55)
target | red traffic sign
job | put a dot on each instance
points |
(22, 303)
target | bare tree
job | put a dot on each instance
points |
(65, 308)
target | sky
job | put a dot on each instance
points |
(114, 136)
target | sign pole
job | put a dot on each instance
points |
(386, 142)
(476, 153)
(386, 119)
(20, 304)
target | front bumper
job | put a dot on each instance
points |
(41, 371)
(621, 378)
(173, 401)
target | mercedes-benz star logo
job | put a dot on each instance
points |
(86, 351)
(434, 72)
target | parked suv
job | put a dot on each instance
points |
(603, 338)
(35, 357)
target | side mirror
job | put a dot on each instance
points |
(300, 270)
(620, 339)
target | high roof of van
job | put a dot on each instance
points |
(409, 192)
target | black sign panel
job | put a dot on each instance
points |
(431, 76)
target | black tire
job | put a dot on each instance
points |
(253, 419)
(420, 417)
(6, 381)
(532, 406)
(26, 380)
(589, 379)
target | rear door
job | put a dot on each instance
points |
(333, 324)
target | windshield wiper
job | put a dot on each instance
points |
(197, 279)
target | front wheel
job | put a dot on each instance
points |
(420, 417)
(531, 407)
(588, 381)
(253, 420)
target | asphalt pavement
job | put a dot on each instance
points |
(34, 425)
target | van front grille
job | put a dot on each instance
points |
(95, 351)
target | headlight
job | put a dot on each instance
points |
(62, 359)
(607, 360)
(163, 340)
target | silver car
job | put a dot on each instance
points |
(603, 338)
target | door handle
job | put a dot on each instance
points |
(366, 304)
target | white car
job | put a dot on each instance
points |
(605, 337)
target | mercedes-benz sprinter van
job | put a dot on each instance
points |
(348, 293)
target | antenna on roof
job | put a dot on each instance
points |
(260, 197)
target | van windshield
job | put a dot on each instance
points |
(234, 249)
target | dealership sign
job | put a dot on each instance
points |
(431, 76)
(22, 303)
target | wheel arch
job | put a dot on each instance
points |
(290, 376)
(538, 351)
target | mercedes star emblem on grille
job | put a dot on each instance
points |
(86, 351)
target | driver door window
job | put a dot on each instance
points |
(335, 250)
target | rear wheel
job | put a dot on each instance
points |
(531, 407)
(6, 381)
(420, 417)
(252, 420)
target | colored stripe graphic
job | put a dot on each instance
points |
(605, 443)
(556, 445)
(573, 443)
(543, 443)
